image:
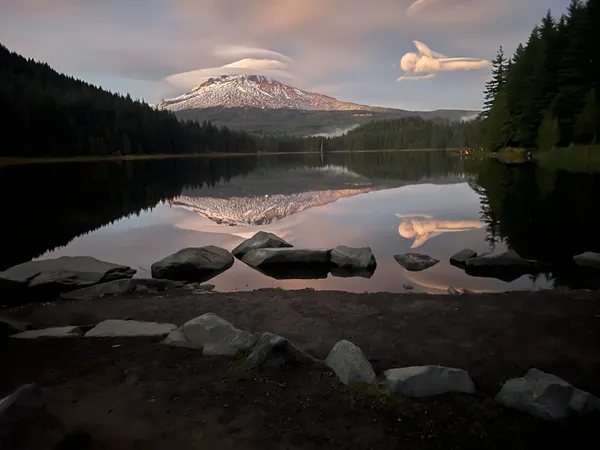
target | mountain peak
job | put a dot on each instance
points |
(256, 91)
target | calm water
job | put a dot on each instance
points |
(135, 213)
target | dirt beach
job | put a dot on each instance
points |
(136, 393)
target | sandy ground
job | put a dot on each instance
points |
(137, 393)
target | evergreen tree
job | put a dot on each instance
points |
(586, 123)
(548, 133)
(493, 87)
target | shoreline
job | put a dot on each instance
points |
(6, 161)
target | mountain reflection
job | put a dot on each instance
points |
(422, 227)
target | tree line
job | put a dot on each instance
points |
(547, 94)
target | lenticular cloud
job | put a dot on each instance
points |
(425, 63)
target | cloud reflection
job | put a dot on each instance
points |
(422, 227)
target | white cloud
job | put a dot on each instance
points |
(243, 51)
(425, 63)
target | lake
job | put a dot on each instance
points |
(436, 203)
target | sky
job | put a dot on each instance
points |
(410, 54)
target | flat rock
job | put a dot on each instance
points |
(193, 264)
(262, 239)
(211, 334)
(63, 274)
(25, 422)
(415, 262)
(547, 396)
(588, 259)
(129, 328)
(274, 351)
(285, 256)
(500, 260)
(461, 257)
(353, 258)
(54, 332)
(425, 381)
(349, 364)
(8, 327)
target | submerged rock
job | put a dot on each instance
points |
(424, 381)
(353, 258)
(459, 259)
(25, 422)
(588, 259)
(193, 264)
(262, 239)
(54, 332)
(285, 257)
(274, 351)
(349, 364)
(547, 396)
(129, 328)
(120, 287)
(415, 262)
(211, 334)
(51, 277)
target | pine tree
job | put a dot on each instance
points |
(498, 124)
(493, 87)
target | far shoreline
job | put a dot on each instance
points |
(18, 161)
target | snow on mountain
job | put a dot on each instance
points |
(256, 91)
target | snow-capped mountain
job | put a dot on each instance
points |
(256, 91)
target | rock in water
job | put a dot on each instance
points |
(51, 277)
(25, 423)
(129, 328)
(500, 260)
(460, 258)
(193, 264)
(211, 334)
(262, 239)
(424, 381)
(285, 256)
(349, 364)
(119, 287)
(547, 396)
(588, 259)
(453, 291)
(353, 258)
(416, 262)
(274, 351)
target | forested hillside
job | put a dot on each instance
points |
(547, 95)
(49, 114)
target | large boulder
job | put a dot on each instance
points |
(265, 257)
(193, 264)
(119, 287)
(547, 396)
(459, 259)
(51, 277)
(415, 262)
(25, 423)
(424, 381)
(262, 239)
(588, 259)
(349, 364)
(211, 334)
(506, 266)
(272, 351)
(353, 258)
(129, 328)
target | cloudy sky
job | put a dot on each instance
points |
(412, 54)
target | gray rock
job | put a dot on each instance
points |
(461, 257)
(193, 264)
(588, 259)
(353, 258)
(129, 328)
(54, 332)
(274, 351)
(9, 327)
(408, 287)
(63, 274)
(349, 364)
(415, 262)
(500, 260)
(547, 396)
(424, 381)
(212, 334)
(262, 239)
(25, 423)
(285, 256)
(191, 286)
(453, 291)
(120, 287)
(145, 290)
